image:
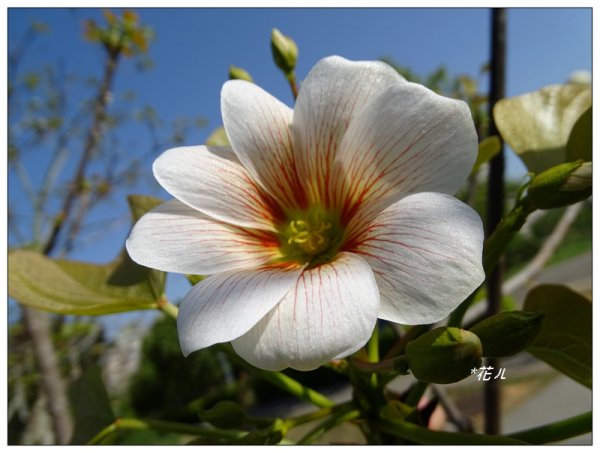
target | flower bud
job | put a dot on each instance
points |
(285, 51)
(236, 73)
(507, 333)
(444, 355)
(224, 415)
(561, 185)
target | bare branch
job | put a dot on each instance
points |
(535, 266)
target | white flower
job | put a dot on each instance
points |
(318, 220)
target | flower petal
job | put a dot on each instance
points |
(213, 181)
(330, 313)
(407, 140)
(176, 238)
(425, 251)
(257, 125)
(334, 91)
(224, 306)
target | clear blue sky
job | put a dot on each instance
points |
(194, 48)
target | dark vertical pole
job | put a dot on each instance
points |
(495, 207)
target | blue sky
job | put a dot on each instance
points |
(194, 48)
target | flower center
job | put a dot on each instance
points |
(313, 239)
(313, 236)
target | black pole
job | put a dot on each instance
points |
(495, 207)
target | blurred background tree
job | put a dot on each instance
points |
(71, 125)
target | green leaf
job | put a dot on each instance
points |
(579, 145)
(537, 125)
(565, 340)
(140, 204)
(91, 406)
(488, 148)
(218, 137)
(78, 288)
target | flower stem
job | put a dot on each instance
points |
(400, 345)
(344, 415)
(291, 78)
(292, 422)
(295, 388)
(416, 393)
(553, 432)
(424, 436)
(167, 307)
(164, 426)
(373, 352)
(282, 381)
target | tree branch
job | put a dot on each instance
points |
(535, 266)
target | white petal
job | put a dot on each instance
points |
(257, 125)
(213, 181)
(176, 238)
(224, 306)
(330, 313)
(425, 251)
(333, 92)
(407, 140)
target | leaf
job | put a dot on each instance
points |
(537, 125)
(91, 406)
(488, 148)
(140, 204)
(565, 339)
(218, 137)
(579, 145)
(76, 288)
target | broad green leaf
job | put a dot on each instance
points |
(78, 288)
(91, 406)
(488, 148)
(218, 138)
(565, 339)
(140, 204)
(537, 125)
(579, 145)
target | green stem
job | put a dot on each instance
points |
(167, 307)
(295, 388)
(336, 419)
(553, 432)
(291, 78)
(282, 381)
(373, 352)
(292, 422)
(163, 426)
(424, 436)
(411, 334)
(496, 243)
(493, 248)
(416, 393)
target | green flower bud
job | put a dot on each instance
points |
(236, 73)
(224, 415)
(285, 51)
(444, 355)
(561, 185)
(507, 333)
